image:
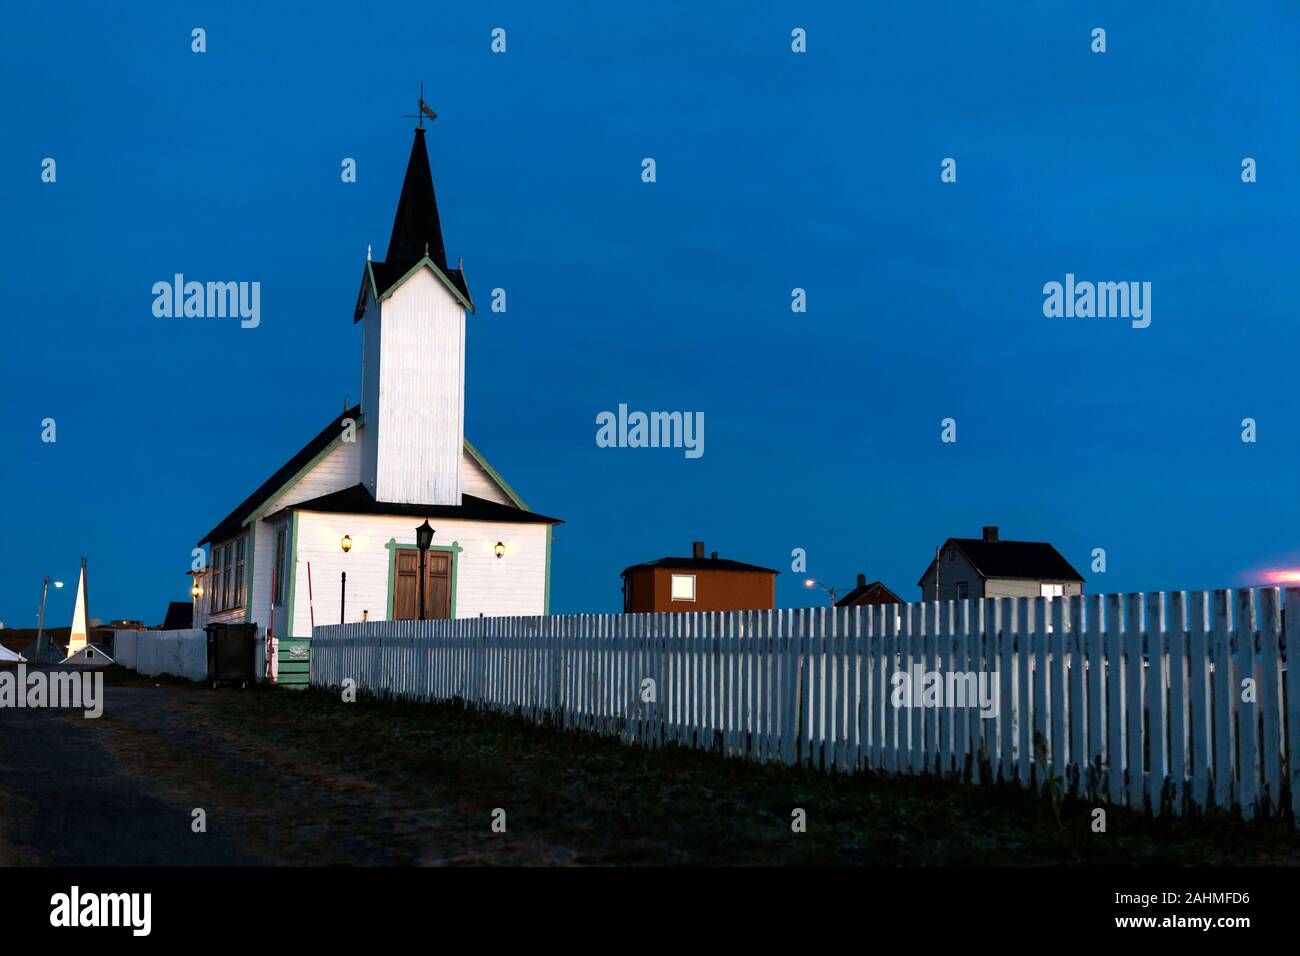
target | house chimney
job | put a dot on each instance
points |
(697, 549)
(714, 555)
(862, 580)
(991, 533)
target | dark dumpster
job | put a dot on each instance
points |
(232, 653)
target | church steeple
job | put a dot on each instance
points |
(413, 309)
(417, 231)
(417, 235)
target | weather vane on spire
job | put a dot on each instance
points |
(424, 111)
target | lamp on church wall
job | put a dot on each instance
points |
(500, 550)
(423, 539)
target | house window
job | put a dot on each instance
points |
(239, 572)
(226, 576)
(214, 580)
(1052, 590)
(963, 590)
(683, 587)
(227, 572)
(281, 548)
(952, 554)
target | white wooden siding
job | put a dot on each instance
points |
(1019, 587)
(485, 584)
(951, 573)
(339, 469)
(1115, 694)
(371, 340)
(419, 442)
(474, 480)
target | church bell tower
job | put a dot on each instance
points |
(412, 308)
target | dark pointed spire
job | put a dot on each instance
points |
(416, 227)
(417, 234)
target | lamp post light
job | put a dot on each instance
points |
(40, 622)
(346, 545)
(814, 583)
(423, 538)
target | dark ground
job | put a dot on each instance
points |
(302, 778)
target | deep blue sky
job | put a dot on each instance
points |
(775, 170)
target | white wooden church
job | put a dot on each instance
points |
(349, 502)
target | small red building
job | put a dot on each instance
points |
(698, 583)
(864, 593)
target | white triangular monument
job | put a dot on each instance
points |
(77, 636)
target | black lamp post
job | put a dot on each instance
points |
(346, 544)
(423, 538)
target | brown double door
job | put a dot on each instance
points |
(437, 586)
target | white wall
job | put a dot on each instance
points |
(951, 573)
(485, 584)
(421, 403)
(339, 469)
(1020, 587)
(179, 653)
(477, 482)
(371, 340)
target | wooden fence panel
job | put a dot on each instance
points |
(1161, 705)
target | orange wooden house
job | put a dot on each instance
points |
(698, 583)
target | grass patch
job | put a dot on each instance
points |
(576, 797)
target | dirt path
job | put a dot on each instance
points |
(121, 790)
(67, 798)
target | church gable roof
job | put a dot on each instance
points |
(307, 457)
(287, 473)
(358, 500)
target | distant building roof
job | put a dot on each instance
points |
(874, 592)
(1026, 560)
(698, 562)
(179, 617)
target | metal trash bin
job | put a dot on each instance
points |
(232, 653)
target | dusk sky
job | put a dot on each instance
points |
(775, 170)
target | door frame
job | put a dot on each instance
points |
(393, 547)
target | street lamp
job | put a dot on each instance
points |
(423, 538)
(814, 583)
(40, 623)
(346, 545)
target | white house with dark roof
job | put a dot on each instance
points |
(350, 500)
(990, 567)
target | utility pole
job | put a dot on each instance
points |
(40, 621)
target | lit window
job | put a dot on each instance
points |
(1052, 590)
(683, 587)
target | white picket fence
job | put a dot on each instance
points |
(179, 653)
(1157, 702)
